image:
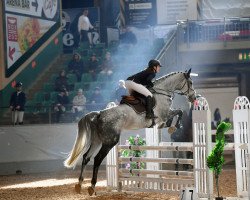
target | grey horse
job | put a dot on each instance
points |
(99, 131)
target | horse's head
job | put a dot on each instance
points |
(176, 82)
(186, 87)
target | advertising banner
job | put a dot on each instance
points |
(211, 9)
(140, 12)
(169, 11)
(28, 23)
(71, 36)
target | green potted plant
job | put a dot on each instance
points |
(134, 140)
(215, 160)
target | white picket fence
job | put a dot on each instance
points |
(154, 179)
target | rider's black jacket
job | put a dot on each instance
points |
(144, 77)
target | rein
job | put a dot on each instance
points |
(154, 90)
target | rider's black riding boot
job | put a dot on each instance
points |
(149, 108)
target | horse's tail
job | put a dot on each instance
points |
(83, 141)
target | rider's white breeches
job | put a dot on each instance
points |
(132, 86)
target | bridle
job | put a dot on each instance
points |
(188, 88)
(166, 93)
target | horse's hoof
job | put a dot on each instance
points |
(78, 188)
(91, 191)
(171, 129)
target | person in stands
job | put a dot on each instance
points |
(93, 65)
(84, 26)
(76, 66)
(79, 102)
(62, 100)
(107, 66)
(120, 91)
(96, 100)
(61, 81)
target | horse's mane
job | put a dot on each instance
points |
(162, 78)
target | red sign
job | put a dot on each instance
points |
(12, 29)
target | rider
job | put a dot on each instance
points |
(140, 83)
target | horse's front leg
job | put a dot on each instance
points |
(178, 113)
(169, 123)
(172, 114)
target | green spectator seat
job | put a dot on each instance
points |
(47, 96)
(72, 78)
(98, 51)
(72, 94)
(53, 96)
(85, 59)
(86, 77)
(29, 106)
(39, 97)
(82, 85)
(84, 52)
(78, 85)
(53, 78)
(102, 77)
(95, 84)
(88, 94)
(47, 106)
(86, 86)
(84, 45)
(99, 45)
(48, 87)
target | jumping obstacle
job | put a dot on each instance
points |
(152, 179)
(241, 122)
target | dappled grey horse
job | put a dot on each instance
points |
(99, 132)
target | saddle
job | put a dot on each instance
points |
(137, 102)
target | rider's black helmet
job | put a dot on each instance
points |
(153, 63)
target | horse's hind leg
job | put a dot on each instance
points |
(85, 161)
(97, 162)
(92, 151)
(178, 122)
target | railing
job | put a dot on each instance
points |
(227, 29)
(47, 115)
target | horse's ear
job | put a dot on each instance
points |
(188, 73)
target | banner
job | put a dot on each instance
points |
(169, 11)
(139, 13)
(211, 9)
(26, 23)
(71, 37)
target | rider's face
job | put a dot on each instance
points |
(157, 69)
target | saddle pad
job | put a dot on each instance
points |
(136, 103)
